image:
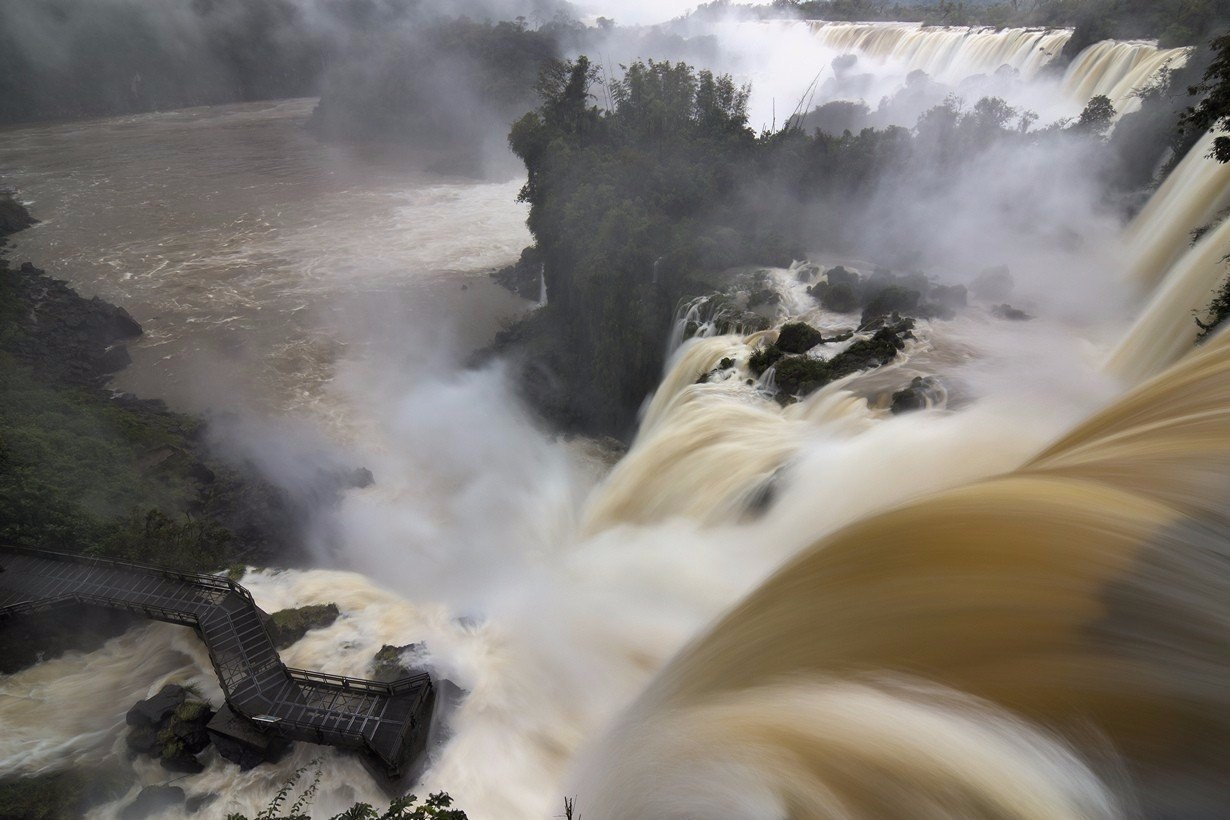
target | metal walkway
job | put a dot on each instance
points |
(388, 720)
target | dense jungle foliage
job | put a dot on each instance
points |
(634, 206)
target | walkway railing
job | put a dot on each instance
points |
(388, 720)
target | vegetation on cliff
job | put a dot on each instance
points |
(84, 471)
(634, 207)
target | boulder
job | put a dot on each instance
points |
(1010, 313)
(923, 392)
(289, 625)
(153, 712)
(388, 664)
(892, 299)
(797, 337)
(238, 741)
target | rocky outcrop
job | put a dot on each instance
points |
(13, 217)
(884, 293)
(391, 662)
(798, 337)
(923, 392)
(523, 278)
(287, 626)
(797, 375)
(68, 338)
(1009, 313)
(170, 728)
(239, 742)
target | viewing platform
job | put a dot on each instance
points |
(387, 721)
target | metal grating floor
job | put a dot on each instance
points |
(388, 720)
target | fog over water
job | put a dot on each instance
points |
(324, 298)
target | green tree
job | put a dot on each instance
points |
(1213, 111)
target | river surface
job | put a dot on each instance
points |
(256, 257)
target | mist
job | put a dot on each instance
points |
(314, 280)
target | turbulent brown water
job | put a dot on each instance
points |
(254, 256)
(1009, 605)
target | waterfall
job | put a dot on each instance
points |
(904, 665)
(1184, 275)
(1192, 196)
(948, 54)
(1119, 69)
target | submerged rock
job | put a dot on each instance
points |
(993, 284)
(923, 392)
(1010, 313)
(153, 801)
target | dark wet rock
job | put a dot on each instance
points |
(764, 358)
(238, 741)
(181, 762)
(63, 335)
(153, 801)
(841, 276)
(1010, 313)
(798, 376)
(360, 478)
(171, 728)
(923, 392)
(839, 291)
(840, 298)
(188, 726)
(726, 363)
(13, 216)
(949, 297)
(892, 299)
(523, 278)
(993, 284)
(289, 625)
(765, 297)
(392, 663)
(798, 337)
(807, 273)
(198, 802)
(153, 712)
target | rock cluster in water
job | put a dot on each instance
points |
(171, 728)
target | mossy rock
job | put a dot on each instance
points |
(289, 625)
(764, 358)
(798, 337)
